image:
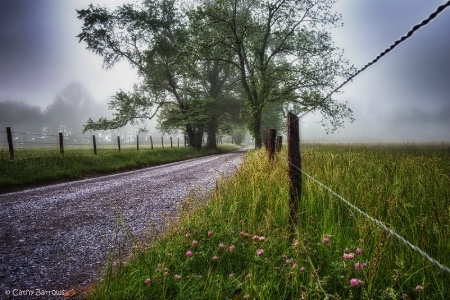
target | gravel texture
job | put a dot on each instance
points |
(59, 237)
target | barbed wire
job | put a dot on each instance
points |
(389, 49)
(380, 224)
(34, 134)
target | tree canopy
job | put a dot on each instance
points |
(205, 67)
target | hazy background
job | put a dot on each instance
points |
(403, 97)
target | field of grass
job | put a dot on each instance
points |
(36, 166)
(237, 246)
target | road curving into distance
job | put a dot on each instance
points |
(57, 237)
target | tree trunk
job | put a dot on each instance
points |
(211, 142)
(255, 126)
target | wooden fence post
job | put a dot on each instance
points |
(162, 142)
(118, 142)
(137, 142)
(272, 137)
(171, 145)
(10, 142)
(279, 143)
(294, 161)
(61, 143)
(95, 144)
(178, 142)
(151, 142)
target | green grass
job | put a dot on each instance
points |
(404, 186)
(37, 166)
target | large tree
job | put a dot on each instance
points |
(151, 38)
(281, 49)
(154, 39)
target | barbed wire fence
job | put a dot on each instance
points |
(295, 170)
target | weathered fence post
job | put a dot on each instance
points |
(272, 137)
(95, 144)
(118, 142)
(279, 143)
(10, 142)
(171, 145)
(151, 142)
(162, 142)
(61, 143)
(178, 142)
(294, 161)
(137, 142)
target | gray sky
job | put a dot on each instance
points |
(403, 97)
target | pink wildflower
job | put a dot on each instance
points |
(148, 281)
(358, 250)
(210, 233)
(302, 269)
(177, 277)
(188, 235)
(349, 255)
(243, 233)
(232, 248)
(354, 282)
(419, 288)
(194, 243)
(326, 240)
(215, 258)
(259, 252)
(261, 238)
(222, 245)
(288, 261)
(360, 266)
(189, 253)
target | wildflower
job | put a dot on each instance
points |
(243, 233)
(360, 266)
(354, 282)
(222, 245)
(302, 269)
(232, 248)
(419, 288)
(166, 273)
(294, 266)
(148, 281)
(261, 238)
(177, 277)
(326, 240)
(249, 275)
(255, 237)
(358, 251)
(233, 232)
(259, 252)
(188, 235)
(210, 233)
(194, 243)
(247, 296)
(288, 261)
(349, 255)
(215, 258)
(231, 275)
(189, 254)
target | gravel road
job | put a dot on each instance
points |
(58, 237)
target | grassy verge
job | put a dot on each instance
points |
(237, 245)
(36, 166)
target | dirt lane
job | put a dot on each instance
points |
(57, 237)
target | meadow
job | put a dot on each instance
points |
(236, 245)
(43, 165)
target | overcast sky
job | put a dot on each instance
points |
(404, 97)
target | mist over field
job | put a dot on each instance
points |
(49, 82)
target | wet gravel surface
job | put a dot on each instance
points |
(58, 237)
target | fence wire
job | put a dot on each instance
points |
(389, 49)
(380, 224)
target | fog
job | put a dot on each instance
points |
(405, 97)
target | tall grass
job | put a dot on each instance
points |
(236, 246)
(33, 166)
